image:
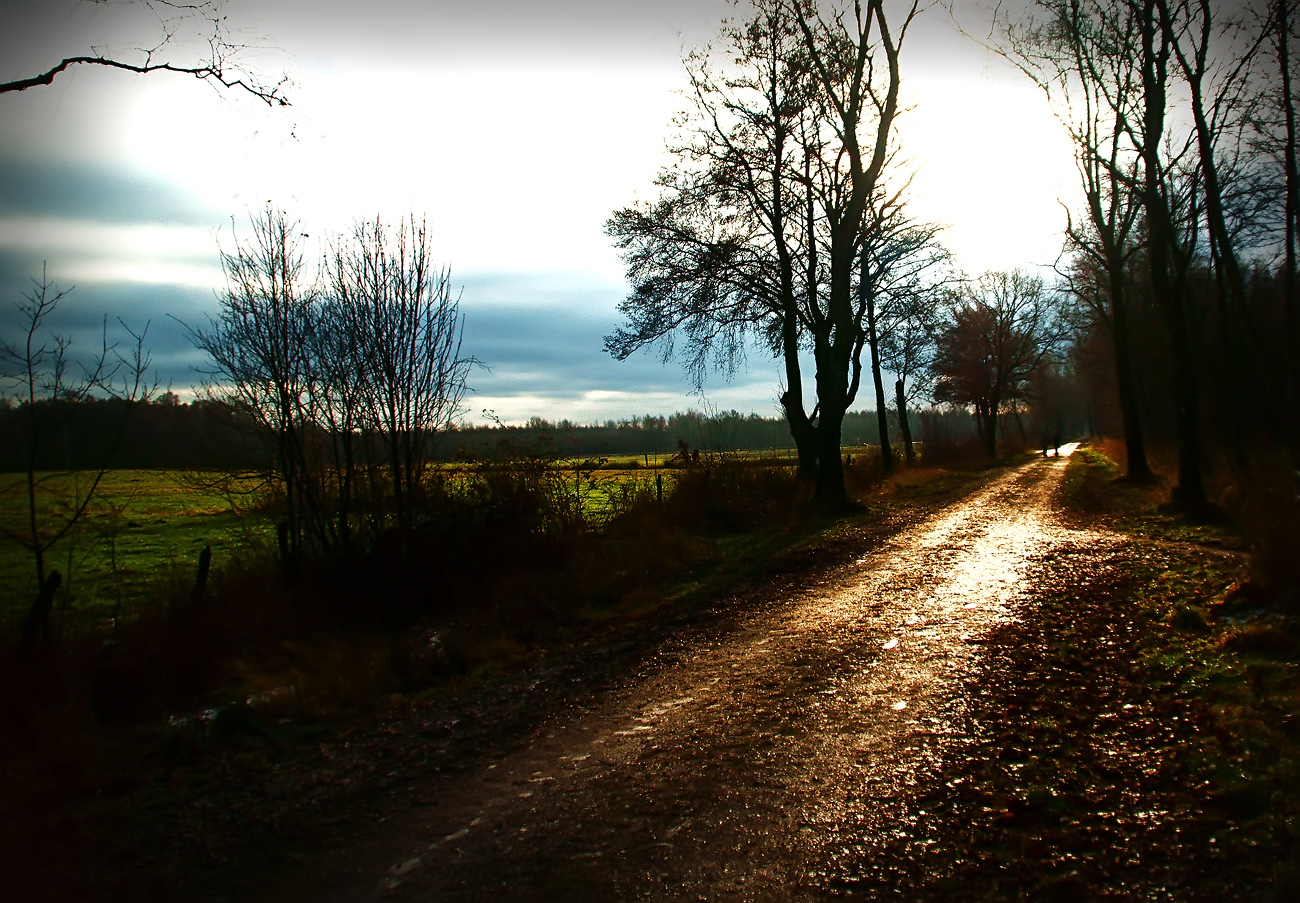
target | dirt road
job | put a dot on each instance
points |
(760, 764)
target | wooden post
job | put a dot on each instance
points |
(201, 579)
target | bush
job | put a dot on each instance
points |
(735, 496)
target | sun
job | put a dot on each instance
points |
(992, 164)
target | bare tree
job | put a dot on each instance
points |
(351, 373)
(895, 280)
(405, 322)
(1157, 93)
(1274, 139)
(38, 372)
(259, 344)
(220, 62)
(764, 232)
(854, 58)
(1002, 328)
(728, 250)
(907, 349)
(1079, 56)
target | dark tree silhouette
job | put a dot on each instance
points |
(718, 256)
(762, 227)
(1089, 78)
(1001, 330)
(350, 374)
(403, 319)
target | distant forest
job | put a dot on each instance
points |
(210, 435)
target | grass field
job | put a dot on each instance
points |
(141, 524)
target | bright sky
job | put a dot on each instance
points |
(516, 127)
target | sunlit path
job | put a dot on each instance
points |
(750, 766)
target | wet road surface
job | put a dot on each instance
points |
(761, 763)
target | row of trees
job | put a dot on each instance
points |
(1182, 114)
(334, 382)
(350, 370)
(784, 219)
(163, 433)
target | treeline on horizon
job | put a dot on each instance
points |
(168, 434)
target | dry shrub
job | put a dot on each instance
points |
(501, 557)
(324, 677)
(864, 470)
(915, 475)
(735, 497)
(947, 450)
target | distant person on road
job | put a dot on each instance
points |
(1056, 443)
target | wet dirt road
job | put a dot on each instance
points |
(758, 764)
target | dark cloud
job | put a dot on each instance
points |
(161, 312)
(540, 336)
(558, 352)
(86, 191)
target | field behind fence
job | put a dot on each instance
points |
(146, 526)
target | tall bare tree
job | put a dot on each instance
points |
(763, 232)
(729, 248)
(1167, 82)
(405, 321)
(896, 280)
(854, 58)
(1079, 56)
(350, 371)
(259, 344)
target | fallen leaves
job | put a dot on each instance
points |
(1103, 760)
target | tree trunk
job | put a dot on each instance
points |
(867, 298)
(882, 420)
(1134, 446)
(804, 434)
(37, 621)
(1169, 291)
(1292, 181)
(201, 578)
(831, 494)
(903, 426)
(988, 415)
(801, 427)
(1189, 494)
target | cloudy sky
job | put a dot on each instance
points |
(516, 127)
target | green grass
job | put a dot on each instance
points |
(140, 524)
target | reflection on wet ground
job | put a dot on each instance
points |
(758, 763)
